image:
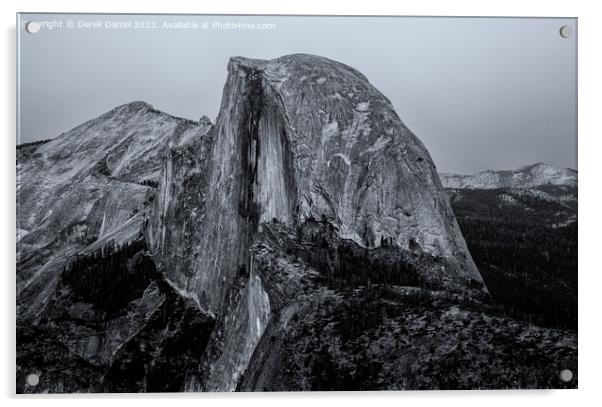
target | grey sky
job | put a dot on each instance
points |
(479, 92)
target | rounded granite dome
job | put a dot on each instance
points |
(304, 137)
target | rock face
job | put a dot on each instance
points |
(113, 325)
(160, 254)
(297, 138)
(87, 187)
(528, 176)
(302, 136)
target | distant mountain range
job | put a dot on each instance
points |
(528, 176)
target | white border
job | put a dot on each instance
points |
(590, 70)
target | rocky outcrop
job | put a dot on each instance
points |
(89, 186)
(113, 324)
(332, 328)
(303, 137)
(297, 138)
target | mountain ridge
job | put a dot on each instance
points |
(84, 185)
(526, 176)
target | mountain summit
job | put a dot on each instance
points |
(298, 138)
(302, 137)
(88, 187)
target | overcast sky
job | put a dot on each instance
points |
(481, 93)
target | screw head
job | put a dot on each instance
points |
(32, 379)
(33, 27)
(566, 31)
(566, 375)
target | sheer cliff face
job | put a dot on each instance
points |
(252, 180)
(297, 138)
(302, 136)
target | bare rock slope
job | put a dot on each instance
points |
(88, 187)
